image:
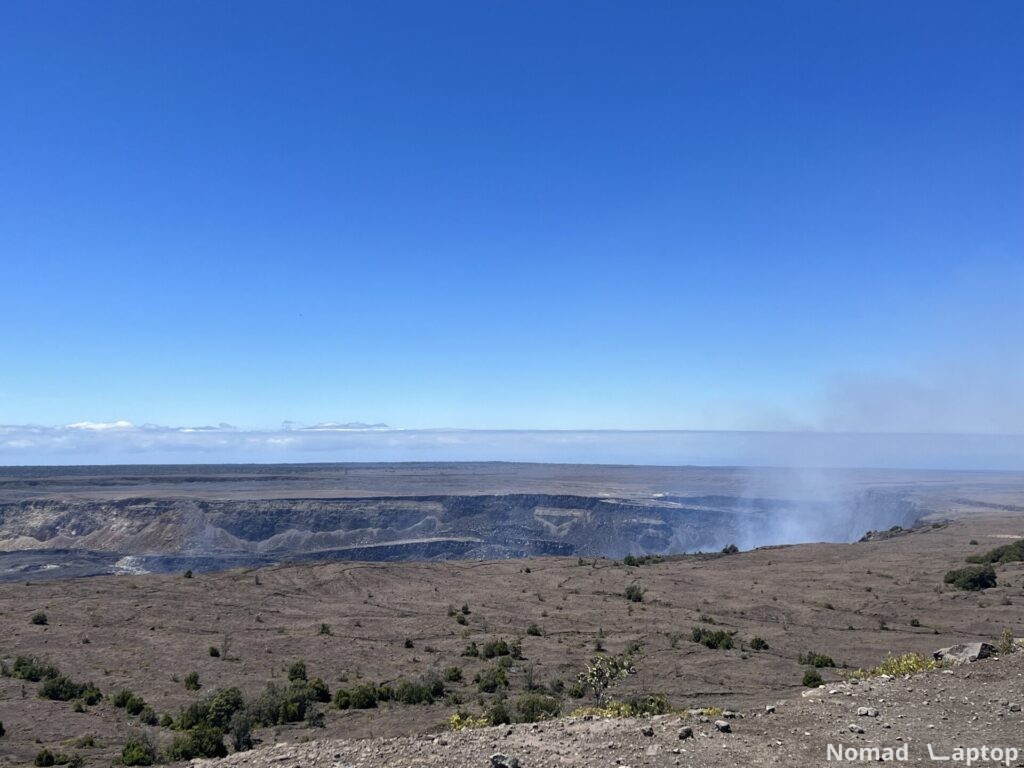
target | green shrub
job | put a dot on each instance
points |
(60, 688)
(125, 699)
(279, 704)
(633, 561)
(240, 731)
(812, 678)
(453, 674)
(915, 623)
(494, 648)
(201, 741)
(818, 660)
(40, 619)
(758, 643)
(471, 650)
(648, 705)
(44, 758)
(718, 639)
(148, 716)
(32, 669)
(973, 579)
(532, 708)
(192, 682)
(634, 593)
(533, 630)
(408, 642)
(297, 671)
(222, 706)
(188, 574)
(325, 629)
(425, 691)
(215, 651)
(1008, 553)
(498, 714)
(461, 619)
(730, 549)
(138, 750)
(490, 680)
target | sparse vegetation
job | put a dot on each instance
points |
(633, 561)
(491, 679)
(40, 619)
(325, 629)
(812, 678)
(817, 660)
(897, 666)
(138, 750)
(1008, 553)
(1006, 644)
(532, 708)
(973, 579)
(192, 682)
(533, 630)
(758, 643)
(634, 593)
(602, 672)
(718, 639)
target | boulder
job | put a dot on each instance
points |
(686, 732)
(498, 760)
(723, 726)
(965, 653)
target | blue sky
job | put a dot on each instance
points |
(524, 215)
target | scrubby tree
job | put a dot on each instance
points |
(604, 671)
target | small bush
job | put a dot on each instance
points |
(40, 619)
(972, 579)
(897, 666)
(460, 618)
(490, 680)
(532, 708)
(297, 672)
(2, 731)
(730, 549)
(712, 638)
(188, 574)
(138, 750)
(812, 678)
(215, 651)
(533, 630)
(192, 682)
(409, 643)
(758, 643)
(325, 629)
(494, 648)
(1008, 553)
(201, 741)
(32, 669)
(60, 688)
(498, 714)
(44, 758)
(634, 593)
(453, 674)
(462, 721)
(816, 660)
(915, 623)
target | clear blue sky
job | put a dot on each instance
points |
(512, 214)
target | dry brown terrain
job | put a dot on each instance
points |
(854, 602)
(930, 715)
